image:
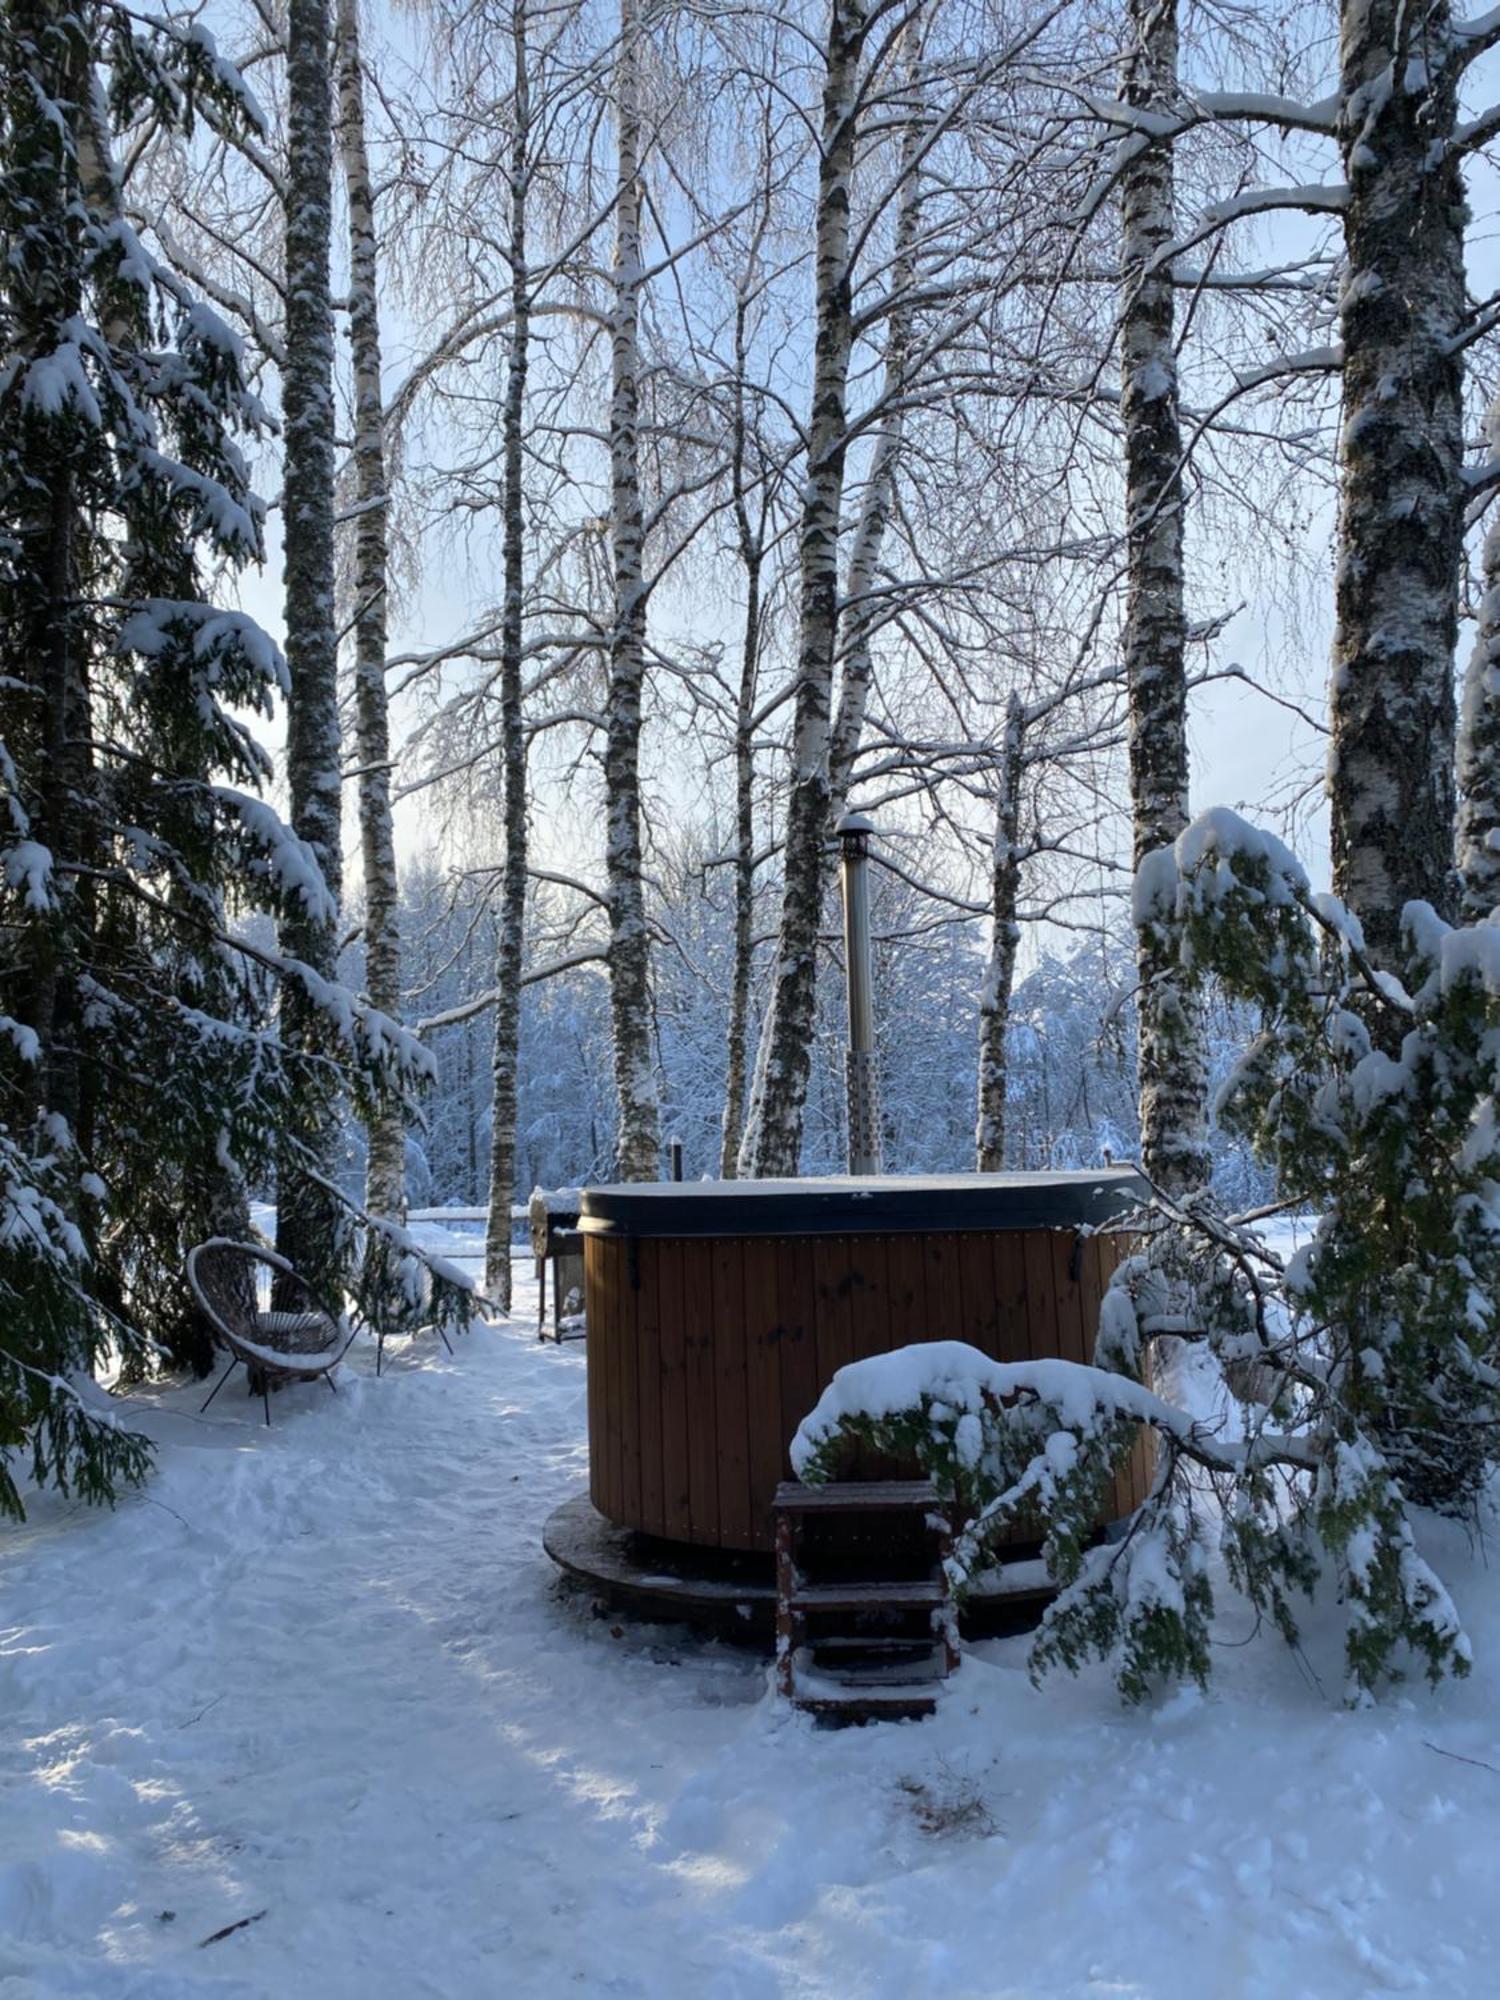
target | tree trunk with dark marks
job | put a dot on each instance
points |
(1005, 938)
(310, 1230)
(511, 942)
(861, 612)
(773, 1136)
(1401, 468)
(385, 1171)
(752, 555)
(638, 1136)
(1172, 1072)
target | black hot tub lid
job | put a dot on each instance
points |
(843, 1205)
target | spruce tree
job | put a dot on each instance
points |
(141, 1083)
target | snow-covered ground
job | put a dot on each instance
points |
(321, 1682)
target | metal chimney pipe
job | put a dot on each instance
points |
(854, 832)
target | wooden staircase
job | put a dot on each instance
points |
(864, 1626)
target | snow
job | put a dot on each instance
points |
(1221, 831)
(282, 854)
(325, 1672)
(28, 867)
(957, 1377)
(59, 380)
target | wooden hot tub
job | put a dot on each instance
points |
(718, 1311)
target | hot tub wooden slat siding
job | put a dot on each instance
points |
(1067, 1294)
(796, 1334)
(653, 1514)
(677, 1517)
(731, 1391)
(762, 1369)
(907, 1293)
(835, 1319)
(600, 1290)
(699, 1340)
(706, 1350)
(1013, 1320)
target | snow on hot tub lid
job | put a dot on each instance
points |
(845, 1205)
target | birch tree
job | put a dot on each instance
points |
(1401, 311)
(859, 612)
(750, 536)
(773, 1139)
(511, 931)
(638, 1138)
(1171, 1074)
(310, 1230)
(1005, 938)
(386, 1133)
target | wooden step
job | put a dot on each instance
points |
(867, 1496)
(875, 1673)
(866, 1596)
(896, 1703)
(877, 1643)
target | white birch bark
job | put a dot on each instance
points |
(511, 941)
(1005, 939)
(752, 555)
(1401, 467)
(1479, 734)
(773, 1135)
(1171, 1066)
(386, 1134)
(308, 1228)
(859, 614)
(638, 1140)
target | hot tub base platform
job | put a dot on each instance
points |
(734, 1595)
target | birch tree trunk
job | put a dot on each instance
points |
(511, 942)
(752, 555)
(309, 1231)
(1479, 735)
(1005, 938)
(859, 612)
(1401, 467)
(1171, 1068)
(638, 1140)
(385, 1174)
(773, 1136)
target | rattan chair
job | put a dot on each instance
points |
(280, 1342)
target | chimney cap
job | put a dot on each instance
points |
(854, 823)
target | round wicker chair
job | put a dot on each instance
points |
(297, 1338)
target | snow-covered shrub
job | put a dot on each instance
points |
(1365, 1367)
(1036, 1442)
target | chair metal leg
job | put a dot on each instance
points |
(379, 1354)
(265, 1397)
(234, 1363)
(328, 1378)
